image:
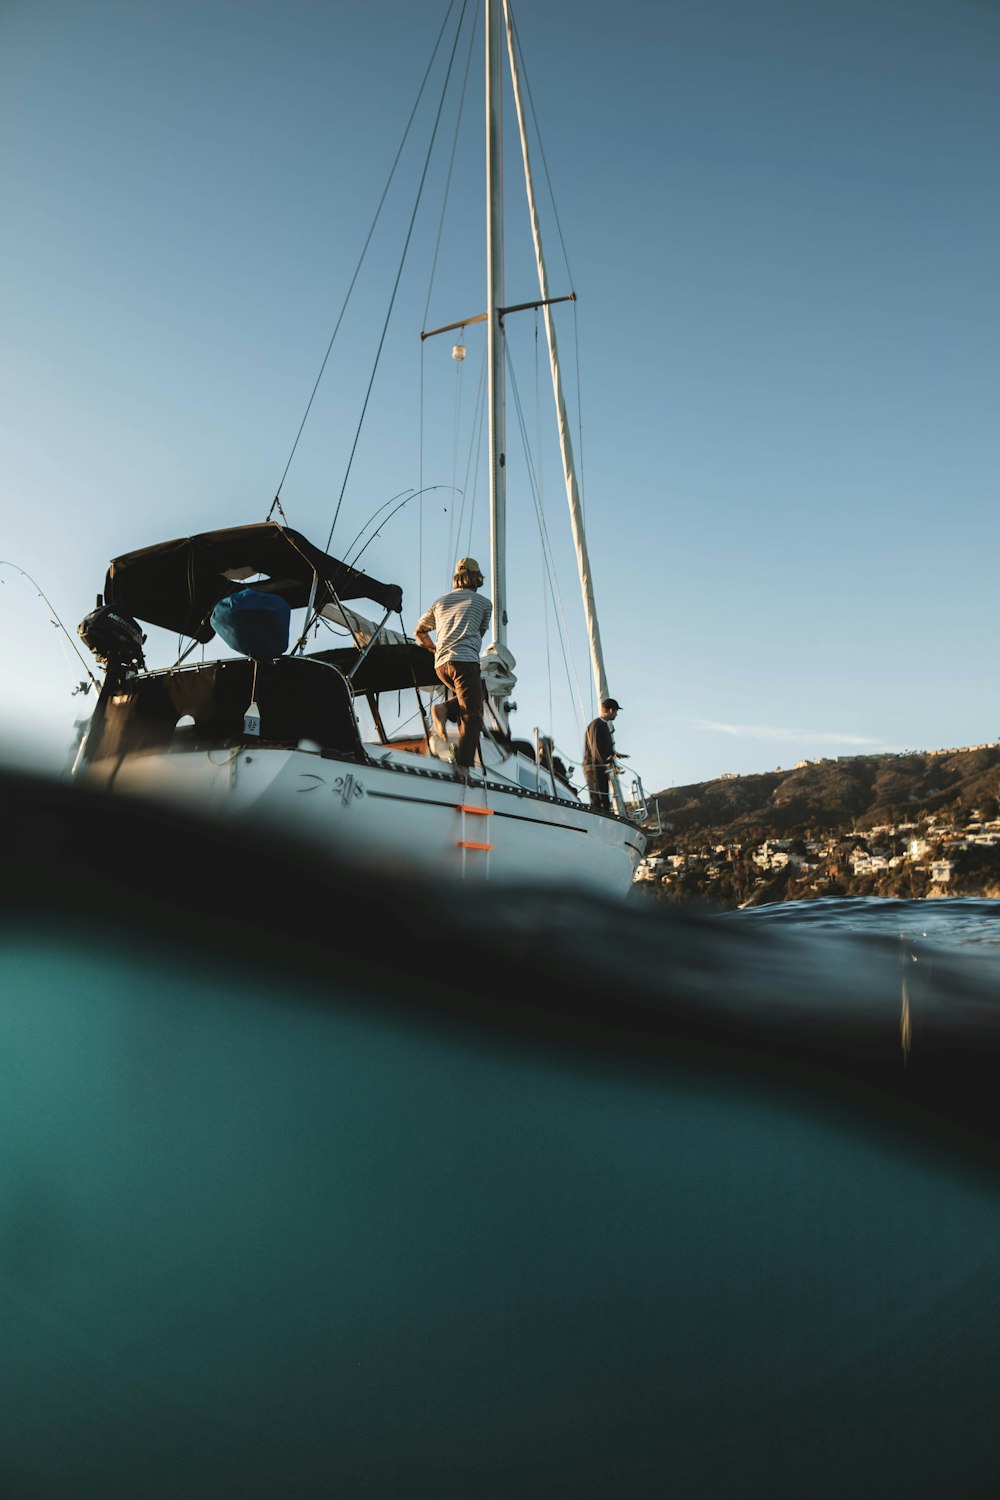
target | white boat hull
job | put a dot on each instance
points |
(406, 813)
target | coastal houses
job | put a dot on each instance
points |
(908, 857)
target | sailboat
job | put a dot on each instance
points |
(341, 746)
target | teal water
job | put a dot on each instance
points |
(645, 1208)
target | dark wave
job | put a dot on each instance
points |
(959, 921)
(316, 1181)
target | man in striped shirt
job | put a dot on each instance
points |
(460, 619)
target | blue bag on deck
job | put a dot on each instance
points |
(253, 623)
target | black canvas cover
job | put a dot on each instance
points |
(296, 697)
(177, 584)
(387, 668)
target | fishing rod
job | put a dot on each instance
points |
(81, 687)
(352, 561)
(408, 494)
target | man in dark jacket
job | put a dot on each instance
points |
(599, 753)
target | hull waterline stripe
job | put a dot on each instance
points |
(517, 817)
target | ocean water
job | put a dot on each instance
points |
(947, 949)
(315, 1181)
(958, 924)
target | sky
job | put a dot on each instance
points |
(781, 222)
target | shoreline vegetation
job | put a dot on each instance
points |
(915, 824)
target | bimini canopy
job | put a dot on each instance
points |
(177, 584)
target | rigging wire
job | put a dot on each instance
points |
(579, 415)
(276, 503)
(451, 164)
(399, 272)
(569, 272)
(570, 666)
(475, 439)
(457, 522)
(430, 287)
(82, 687)
(364, 251)
(460, 365)
(541, 148)
(541, 505)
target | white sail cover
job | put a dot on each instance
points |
(498, 665)
(362, 629)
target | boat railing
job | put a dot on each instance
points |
(632, 802)
(297, 699)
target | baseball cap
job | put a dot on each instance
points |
(611, 703)
(467, 565)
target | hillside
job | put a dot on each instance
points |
(912, 825)
(855, 791)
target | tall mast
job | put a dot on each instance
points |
(494, 303)
(565, 442)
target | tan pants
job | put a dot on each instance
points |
(466, 681)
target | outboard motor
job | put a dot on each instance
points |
(113, 637)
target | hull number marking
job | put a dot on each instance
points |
(346, 787)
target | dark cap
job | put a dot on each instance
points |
(611, 703)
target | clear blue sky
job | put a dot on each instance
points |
(782, 221)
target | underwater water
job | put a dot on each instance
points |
(314, 1181)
